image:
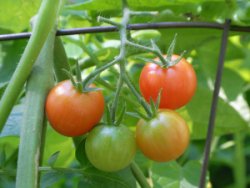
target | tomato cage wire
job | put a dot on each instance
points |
(225, 27)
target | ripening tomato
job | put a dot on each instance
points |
(178, 83)
(110, 148)
(72, 113)
(164, 137)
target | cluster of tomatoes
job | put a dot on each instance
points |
(110, 148)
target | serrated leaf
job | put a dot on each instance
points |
(172, 175)
(197, 112)
(53, 158)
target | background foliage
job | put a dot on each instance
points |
(232, 124)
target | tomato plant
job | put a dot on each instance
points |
(163, 138)
(178, 83)
(110, 148)
(72, 113)
(107, 51)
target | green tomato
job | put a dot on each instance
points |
(110, 148)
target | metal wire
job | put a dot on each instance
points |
(159, 25)
(213, 108)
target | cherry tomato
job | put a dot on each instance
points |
(178, 83)
(72, 113)
(164, 137)
(110, 148)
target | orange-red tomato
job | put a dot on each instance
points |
(72, 113)
(164, 137)
(178, 83)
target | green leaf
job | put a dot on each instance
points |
(2, 157)
(197, 114)
(172, 175)
(12, 126)
(94, 178)
(102, 5)
(10, 53)
(56, 142)
(50, 178)
(81, 154)
(53, 158)
(15, 15)
(232, 83)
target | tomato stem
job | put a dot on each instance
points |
(78, 78)
(102, 19)
(153, 50)
(139, 175)
(116, 99)
(45, 22)
(32, 129)
(90, 78)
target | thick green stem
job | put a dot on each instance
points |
(38, 85)
(139, 175)
(239, 161)
(45, 22)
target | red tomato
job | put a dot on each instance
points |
(178, 83)
(72, 113)
(164, 137)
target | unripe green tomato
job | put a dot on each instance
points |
(110, 148)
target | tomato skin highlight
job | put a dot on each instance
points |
(110, 148)
(72, 113)
(178, 83)
(164, 138)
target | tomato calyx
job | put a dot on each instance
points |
(153, 107)
(78, 82)
(165, 61)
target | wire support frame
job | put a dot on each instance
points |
(140, 26)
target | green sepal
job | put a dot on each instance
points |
(108, 114)
(172, 63)
(171, 49)
(149, 60)
(121, 115)
(53, 158)
(138, 115)
(68, 73)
